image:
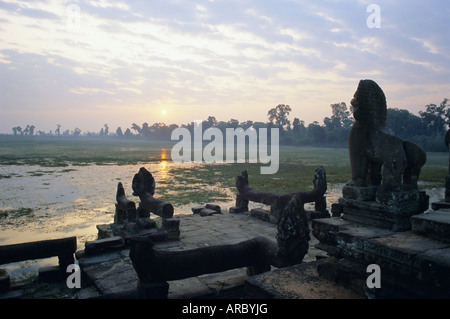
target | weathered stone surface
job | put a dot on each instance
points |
(146, 223)
(393, 217)
(12, 294)
(293, 233)
(197, 209)
(349, 274)
(5, 282)
(105, 231)
(325, 230)
(38, 249)
(436, 265)
(114, 278)
(336, 210)
(88, 293)
(171, 224)
(296, 282)
(125, 208)
(214, 207)
(352, 241)
(412, 266)
(360, 193)
(51, 274)
(260, 213)
(440, 205)
(96, 246)
(314, 214)
(172, 235)
(433, 224)
(208, 212)
(236, 210)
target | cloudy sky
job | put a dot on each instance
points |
(86, 63)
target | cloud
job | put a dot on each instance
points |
(222, 58)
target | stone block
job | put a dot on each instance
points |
(52, 274)
(433, 224)
(160, 235)
(392, 217)
(336, 210)
(342, 272)
(301, 281)
(325, 230)
(440, 205)
(352, 241)
(436, 265)
(207, 212)
(12, 294)
(188, 288)
(214, 207)
(197, 209)
(153, 290)
(104, 231)
(170, 224)
(260, 214)
(314, 214)
(397, 253)
(359, 193)
(120, 215)
(96, 246)
(5, 283)
(320, 205)
(236, 210)
(145, 223)
(87, 293)
(173, 234)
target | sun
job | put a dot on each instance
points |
(163, 112)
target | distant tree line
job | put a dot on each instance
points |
(426, 129)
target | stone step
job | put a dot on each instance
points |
(301, 281)
(440, 205)
(411, 264)
(433, 224)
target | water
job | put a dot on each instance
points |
(71, 201)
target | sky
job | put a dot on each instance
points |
(83, 64)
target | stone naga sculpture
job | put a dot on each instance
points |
(376, 157)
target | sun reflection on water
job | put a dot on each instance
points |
(163, 164)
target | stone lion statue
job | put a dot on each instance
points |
(377, 158)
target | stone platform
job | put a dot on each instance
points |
(108, 273)
(412, 265)
(433, 224)
(301, 281)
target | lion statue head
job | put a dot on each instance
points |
(369, 104)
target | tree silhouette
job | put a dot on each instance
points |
(278, 116)
(136, 128)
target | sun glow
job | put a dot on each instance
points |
(163, 112)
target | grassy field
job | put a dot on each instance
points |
(297, 164)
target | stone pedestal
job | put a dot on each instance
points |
(412, 265)
(359, 193)
(447, 188)
(433, 224)
(392, 211)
